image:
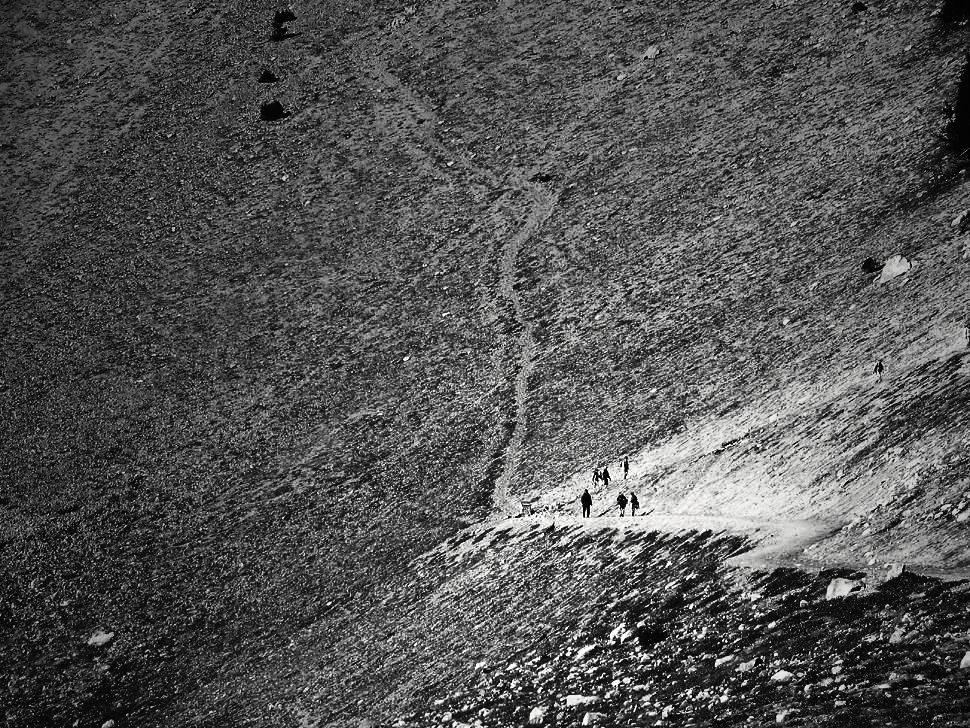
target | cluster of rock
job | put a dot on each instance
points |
(782, 647)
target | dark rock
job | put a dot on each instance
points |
(858, 7)
(650, 635)
(268, 77)
(280, 33)
(272, 111)
(871, 265)
(283, 16)
(955, 11)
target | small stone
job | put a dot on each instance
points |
(652, 52)
(537, 715)
(782, 715)
(583, 651)
(574, 700)
(723, 660)
(100, 638)
(895, 570)
(897, 636)
(108, 723)
(747, 666)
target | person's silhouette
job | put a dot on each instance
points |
(587, 500)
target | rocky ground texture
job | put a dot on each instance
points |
(294, 297)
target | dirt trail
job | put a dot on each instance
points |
(542, 205)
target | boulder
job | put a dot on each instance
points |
(782, 676)
(965, 662)
(537, 716)
(839, 588)
(747, 666)
(593, 718)
(894, 267)
(723, 660)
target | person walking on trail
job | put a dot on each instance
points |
(596, 476)
(606, 477)
(634, 504)
(626, 466)
(587, 500)
(966, 331)
(879, 370)
(621, 502)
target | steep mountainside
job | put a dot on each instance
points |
(256, 370)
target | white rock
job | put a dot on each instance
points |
(652, 52)
(965, 662)
(100, 638)
(747, 666)
(108, 723)
(593, 718)
(782, 715)
(782, 676)
(723, 660)
(574, 700)
(895, 570)
(894, 267)
(583, 651)
(537, 715)
(839, 588)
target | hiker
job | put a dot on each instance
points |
(634, 504)
(879, 370)
(606, 477)
(626, 466)
(621, 502)
(587, 500)
(966, 332)
(596, 476)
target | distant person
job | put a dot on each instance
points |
(634, 504)
(626, 466)
(596, 476)
(587, 500)
(879, 370)
(621, 502)
(606, 476)
(966, 332)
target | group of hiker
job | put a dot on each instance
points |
(603, 476)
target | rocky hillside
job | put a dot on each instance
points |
(292, 298)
